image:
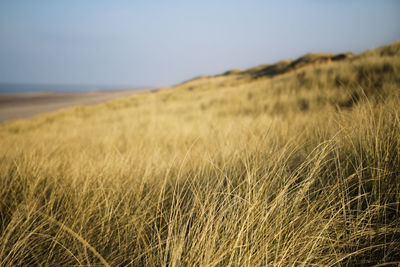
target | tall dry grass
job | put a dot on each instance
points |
(299, 169)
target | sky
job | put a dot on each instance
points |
(161, 43)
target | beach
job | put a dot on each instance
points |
(20, 106)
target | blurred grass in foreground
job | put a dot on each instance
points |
(295, 163)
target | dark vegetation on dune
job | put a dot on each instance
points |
(294, 163)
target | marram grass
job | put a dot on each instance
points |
(301, 168)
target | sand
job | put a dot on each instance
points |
(19, 106)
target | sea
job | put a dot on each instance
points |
(19, 88)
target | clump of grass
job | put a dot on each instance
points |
(297, 169)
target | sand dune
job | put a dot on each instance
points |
(17, 106)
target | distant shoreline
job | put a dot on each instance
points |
(24, 105)
(18, 88)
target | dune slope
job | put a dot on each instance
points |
(285, 164)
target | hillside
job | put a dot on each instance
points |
(293, 163)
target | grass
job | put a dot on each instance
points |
(296, 168)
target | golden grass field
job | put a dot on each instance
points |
(291, 164)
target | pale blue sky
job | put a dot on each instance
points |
(165, 42)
